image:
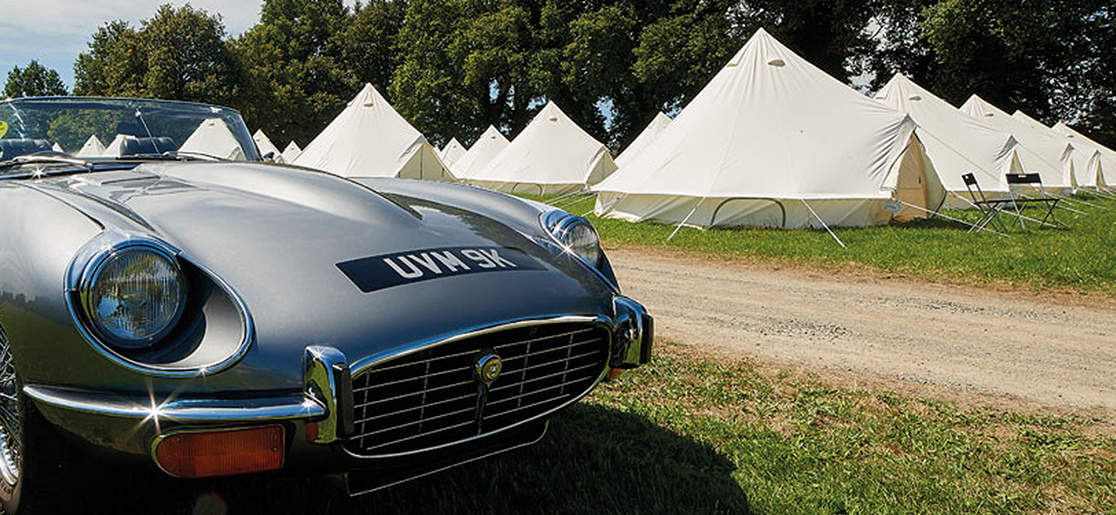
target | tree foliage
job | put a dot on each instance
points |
(180, 53)
(34, 80)
(294, 61)
(453, 67)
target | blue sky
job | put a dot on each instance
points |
(55, 31)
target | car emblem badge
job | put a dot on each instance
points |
(487, 368)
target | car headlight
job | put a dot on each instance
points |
(576, 234)
(134, 296)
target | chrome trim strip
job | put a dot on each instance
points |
(205, 411)
(326, 377)
(546, 425)
(629, 320)
(105, 244)
(363, 365)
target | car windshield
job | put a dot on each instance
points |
(104, 129)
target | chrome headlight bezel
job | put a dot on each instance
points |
(94, 273)
(562, 227)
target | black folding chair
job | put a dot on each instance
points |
(1019, 202)
(989, 208)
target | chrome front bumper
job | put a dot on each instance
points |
(319, 415)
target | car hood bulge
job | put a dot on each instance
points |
(277, 236)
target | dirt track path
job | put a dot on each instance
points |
(1048, 351)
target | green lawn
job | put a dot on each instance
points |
(1081, 256)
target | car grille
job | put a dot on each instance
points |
(431, 398)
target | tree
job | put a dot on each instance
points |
(114, 64)
(1046, 57)
(179, 54)
(427, 88)
(35, 80)
(188, 57)
(297, 80)
(368, 46)
(897, 44)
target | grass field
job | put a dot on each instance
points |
(692, 435)
(1080, 256)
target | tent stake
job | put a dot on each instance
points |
(839, 242)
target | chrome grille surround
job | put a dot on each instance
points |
(428, 397)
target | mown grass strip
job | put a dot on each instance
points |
(1080, 256)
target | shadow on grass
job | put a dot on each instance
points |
(593, 460)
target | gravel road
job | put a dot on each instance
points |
(1046, 350)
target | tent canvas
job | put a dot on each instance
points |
(956, 143)
(264, 144)
(774, 141)
(213, 137)
(644, 139)
(1044, 153)
(1105, 155)
(488, 146)
(291, 152)
(1086, 162)
(552, 155)
(115, 146)
(92, 148)
(452, 152)
(370, 139)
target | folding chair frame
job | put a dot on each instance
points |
(1050, 201)
(989, 209)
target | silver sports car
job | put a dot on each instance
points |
(170, 300)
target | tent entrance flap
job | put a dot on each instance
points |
(917, 187)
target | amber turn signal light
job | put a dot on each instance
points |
(221, 453)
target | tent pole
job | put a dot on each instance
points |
(962, 197)
(830, 231)
(1079, 201)
(555, 201)
(687, 219)
(1064, 199)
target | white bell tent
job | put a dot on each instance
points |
(370, 139)
(552, 155)
(214, 138)
(1086, 161)
(1049, 156)
(92, 148)
(488, 146)
(291, 152)
(956, 143)
(452, 152)
(774, 141)
(645, 138)
(116, 146)
(1105, 155)
(264, 144)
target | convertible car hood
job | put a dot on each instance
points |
(277, 236)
